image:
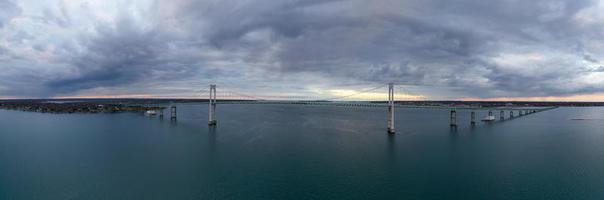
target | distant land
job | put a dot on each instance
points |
(142, 105)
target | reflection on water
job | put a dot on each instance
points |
(212, 139)
(391, 146)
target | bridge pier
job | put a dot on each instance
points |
(511, 114)
(161, 114)
(501, 115)
(473, 118)
(212, 106)
(453, 118)
(391, 108)
(173, 112)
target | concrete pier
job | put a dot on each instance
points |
(491, 114)
(161, 114)
(212, 106)
(391, 108)
(453, 118)
(173, 112)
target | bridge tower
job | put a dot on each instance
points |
(212, 106)
(391, 108)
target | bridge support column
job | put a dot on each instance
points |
(511, 114)
(501, 115)
(473, 118)
(391, 108)
(212, 106)
(173, 112)
(453, 118)
(161, 114)
(490, 113)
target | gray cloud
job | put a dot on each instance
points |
(452, 44)
(483, 48)
(8, 10)
(598, 69)
(3, 51)
(122, 55)
(590, 59)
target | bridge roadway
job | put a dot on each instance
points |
(521, 111)
(369, 104)
(390, 105)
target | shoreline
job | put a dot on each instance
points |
(75, 107)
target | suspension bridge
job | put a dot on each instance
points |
(372, 97)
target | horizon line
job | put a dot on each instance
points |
(195, 98)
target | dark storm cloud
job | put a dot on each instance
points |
(231, 19)
(8, 10)
(598, 69)
(590, 58)
(121, 55)
(388, 42)
(338, 44)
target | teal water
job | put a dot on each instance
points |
(301, 152)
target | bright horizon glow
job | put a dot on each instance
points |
(599, 97)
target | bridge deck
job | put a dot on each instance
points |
(368, 104)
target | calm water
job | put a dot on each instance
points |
(301, 152)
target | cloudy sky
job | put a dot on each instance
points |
(436, 49)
